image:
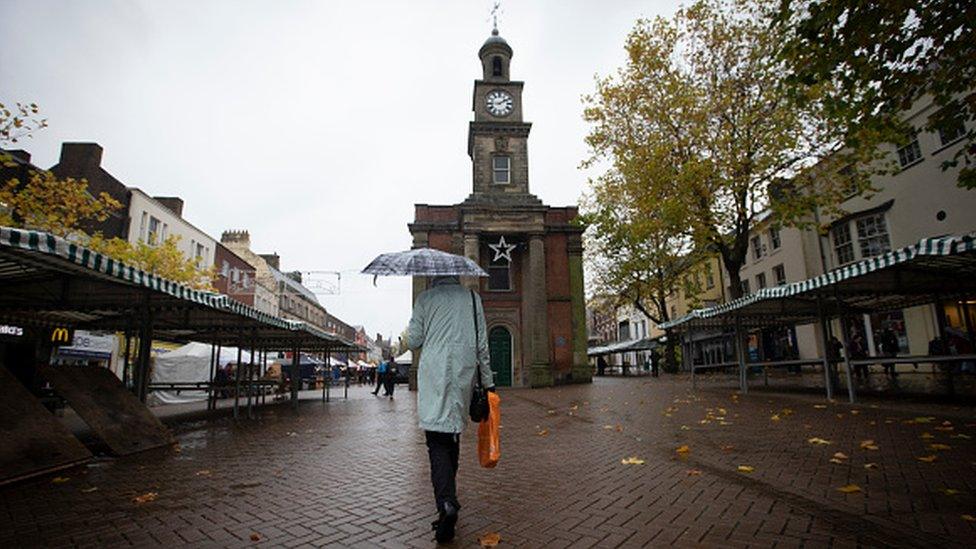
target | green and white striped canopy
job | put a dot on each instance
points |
(29, 258)
(938, 267)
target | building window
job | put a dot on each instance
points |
(501, 169)
(623, 331)
(952, 130)
(496, 66)
(774, 238)
(843, 247)
(760, 281)
(225, 269)
(200, 251)
(500, 276)
(757, 251)
(745, 287)
(779, 275)
(872, 235)
(155, 228)
(709, 276)
(910, 152)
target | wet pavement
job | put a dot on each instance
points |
(712, 468)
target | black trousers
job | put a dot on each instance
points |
(443, 450)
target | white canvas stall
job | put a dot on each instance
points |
(405, 358)
(188, 364)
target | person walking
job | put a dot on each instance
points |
(389, 384)
(443, 331)
(380, 376)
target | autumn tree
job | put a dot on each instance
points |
(879, 58)
(636, 253)
(701, 110)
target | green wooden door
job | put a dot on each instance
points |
(500, 347)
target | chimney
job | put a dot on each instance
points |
(80, 157)
(20, 155)
(295, 275)
(272, 259)
(236, 237)
(172, 203)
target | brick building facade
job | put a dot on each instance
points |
(533, 297)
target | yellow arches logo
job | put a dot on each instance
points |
(61, 336)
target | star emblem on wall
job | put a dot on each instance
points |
(502, 249)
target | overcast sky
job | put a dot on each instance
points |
(315, 125)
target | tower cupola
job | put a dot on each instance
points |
(495, 56)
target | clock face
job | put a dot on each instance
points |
(498, 103)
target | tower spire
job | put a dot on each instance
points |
(495, 10)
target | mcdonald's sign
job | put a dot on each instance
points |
(62, 336)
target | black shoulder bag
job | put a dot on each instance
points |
(479, 395)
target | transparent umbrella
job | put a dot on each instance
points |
(423, 262)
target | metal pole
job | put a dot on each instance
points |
(213, 399)
(213, 349)
(237, 381)
(851, 396)
(264, 372)
(294, 376)
(741, 352)
(327, 378)
(326, 371)
(250, 382)
(125, 360)
(825, 343)
(941, 324)
(345, 390)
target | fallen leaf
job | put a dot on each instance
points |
(945, 429)
(926, 435)
(618, 428)
(818, 440)
(774, 417)
(722, 412)
(870, 465)
(820, 406)
(745, 469)
(255, 536)
(787, 412)
(685, 428)
(928, 459)
(204, 473)
(145, 498)
(855, 412)
(840, 455)
(840, 416)
(574, 407)
(608, 427)
(927, 419)
(542, 433)
(728, 448)
(683, 449)
(90, 489)
(968, 518)
(632, 461)
(725, 423)
(849, 489)
(961, 436)
(868, 445)
(940, 446)
(950, 491)
(60, 480)
(837, 461)
(693, 472)
(490, 540)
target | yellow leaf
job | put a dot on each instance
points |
(870, 465)
(60, 480)
(725, 423)
(820, 406)
(693, 472)
(745, 469)
(787, 412)
(89, 489)
(685, 428)
(818, 440)
(961, 436)
(840, 455)
(855, 412)
(490, 540)
(940, 447)
(145, 498)
(774, 417)
(618, 428)
(968, 518)
(949, 491)
(608, 427)
(683, 449)
(728, 448)
(928, 459)
(924, 419)
(871, 447)
(837, 461)
(849, 489)
(203, 473)
(632, 461)
(866, 443)
(542, 433)
(926, 435)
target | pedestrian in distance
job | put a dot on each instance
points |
(381, 376)
(389, 384)
(448, 329)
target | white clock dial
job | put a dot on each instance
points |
(498, 103)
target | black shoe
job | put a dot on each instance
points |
(444, 531)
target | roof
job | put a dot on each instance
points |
(934, 268)
(294, 285)
(630, 345)
(51, 282)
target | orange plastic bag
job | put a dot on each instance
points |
(489, 442)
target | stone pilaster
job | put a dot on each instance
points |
(582, 373)
(540, 372)
(472, 250)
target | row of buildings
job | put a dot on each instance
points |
(255, 279)
(919, 200)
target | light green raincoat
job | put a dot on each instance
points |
(442, 327)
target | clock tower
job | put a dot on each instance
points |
(498, 137)
(533, 296)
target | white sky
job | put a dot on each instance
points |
(315, 125)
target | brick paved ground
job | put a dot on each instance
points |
(354, 473)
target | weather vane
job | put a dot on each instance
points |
(496, 9)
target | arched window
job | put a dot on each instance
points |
(496, 66)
